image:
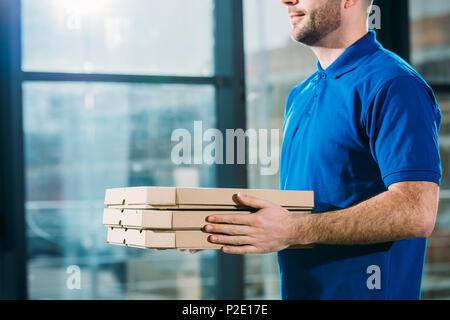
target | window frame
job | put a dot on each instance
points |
(12, 218)
(229, 83)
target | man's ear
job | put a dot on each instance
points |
(350, 3)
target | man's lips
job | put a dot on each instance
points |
(296, 17)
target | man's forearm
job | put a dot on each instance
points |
(389, 216)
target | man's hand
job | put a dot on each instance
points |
(270, 229)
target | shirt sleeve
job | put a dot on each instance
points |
(402, 125)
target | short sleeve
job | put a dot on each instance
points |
(402, 125)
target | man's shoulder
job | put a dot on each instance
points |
(384, 68)
(392, 82)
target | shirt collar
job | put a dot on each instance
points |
(352, 56)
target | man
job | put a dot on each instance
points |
(362, 132)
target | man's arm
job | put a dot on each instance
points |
(406, 210)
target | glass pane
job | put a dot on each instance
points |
(82, 138)
(430, 55)
(430, 39)
(436, 281)
(113, 36)
(274, 65)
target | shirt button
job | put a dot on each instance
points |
(323, 75)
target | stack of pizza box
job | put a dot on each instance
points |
(174, 218)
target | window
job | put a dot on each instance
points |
(82, 137)
(430, 55)
(113, 36)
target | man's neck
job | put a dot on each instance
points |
(333, 45)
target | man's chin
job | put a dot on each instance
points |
(297, 36)
(299, 31)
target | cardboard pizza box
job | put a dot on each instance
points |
(201, 198)
(159, 219)
(159, 239)
(115, 235)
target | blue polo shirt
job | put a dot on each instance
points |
(350, 131)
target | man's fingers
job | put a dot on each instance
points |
(240, 249)
(242, 219)
(228, 229)
(234, 240)
(253, 202)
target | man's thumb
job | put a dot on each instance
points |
(253, 202)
